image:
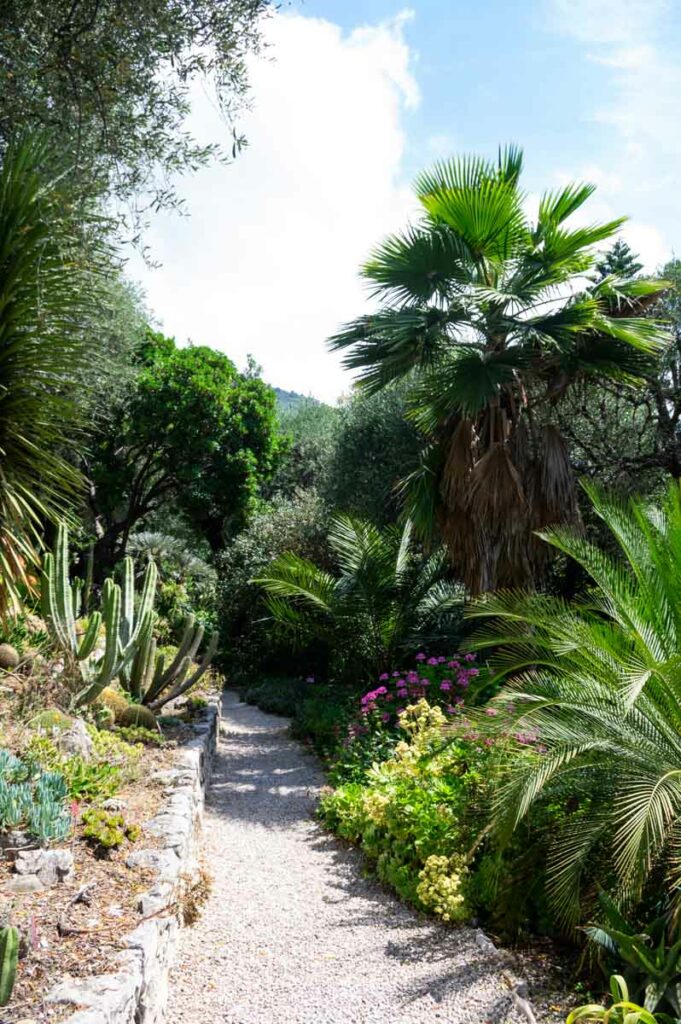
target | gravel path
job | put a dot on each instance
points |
(293, 933)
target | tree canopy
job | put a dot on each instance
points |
(110, 82)
(193, 433)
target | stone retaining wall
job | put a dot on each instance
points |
(136, 991)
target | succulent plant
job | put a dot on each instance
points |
(126, 622)
(9, 957)
(35, 802)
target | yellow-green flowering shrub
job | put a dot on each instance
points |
(414, 816)
(440, 887)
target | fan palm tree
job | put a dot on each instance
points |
(491, 316)
(41, 352)
(597, 684)
(384, 601)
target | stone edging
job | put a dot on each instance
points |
(136, 991)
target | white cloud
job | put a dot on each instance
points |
(640, 106)
(267, 261)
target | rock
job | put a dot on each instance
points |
(76, 740)
(23, 883)
(114, 803)
(483, 942)
(10, 842)
(9, 656)
(50, 866)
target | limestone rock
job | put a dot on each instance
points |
(50, 866)
(76, 740)
(23, 883)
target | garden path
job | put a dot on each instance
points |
(293, 932)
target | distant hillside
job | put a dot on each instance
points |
(290, 399)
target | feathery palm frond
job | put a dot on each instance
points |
(383, 602)
(598, 683)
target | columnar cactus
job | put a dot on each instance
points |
(154, 685)
(126, 622)
(9, 956)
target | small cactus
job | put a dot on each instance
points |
(113, 700)
(9, 957)
(137, 714)
(9, 657)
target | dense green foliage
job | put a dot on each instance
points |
(43, 298)
(596, 682)
(376, 446)
(192, 433)
(299, 525)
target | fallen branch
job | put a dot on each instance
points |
(82, 896)
(518, 994)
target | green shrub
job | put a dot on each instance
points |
(138, 734)
(250, 646)
(415, 816)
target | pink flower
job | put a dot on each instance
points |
(310, 679)
(432, 661)
(425, 682)
(385, 717)
(420, 657)
(395, 675)
(445, 684)
(492, 712)
(470, 657)
(441, 660)
(380, 691)
(489, 742)
(454, 664)
(382, 678)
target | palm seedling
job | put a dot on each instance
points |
(384, 600)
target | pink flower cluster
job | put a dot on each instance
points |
(442, 681)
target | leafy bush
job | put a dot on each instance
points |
(298, 524)
(416, 814)
(374, 727)
(376, 445)
(114, 763)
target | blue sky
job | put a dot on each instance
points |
(352, 99)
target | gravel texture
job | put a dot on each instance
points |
(293, 932)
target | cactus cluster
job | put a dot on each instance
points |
(33, 799)
(9, 956)
(153, 684)
(127, 622)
